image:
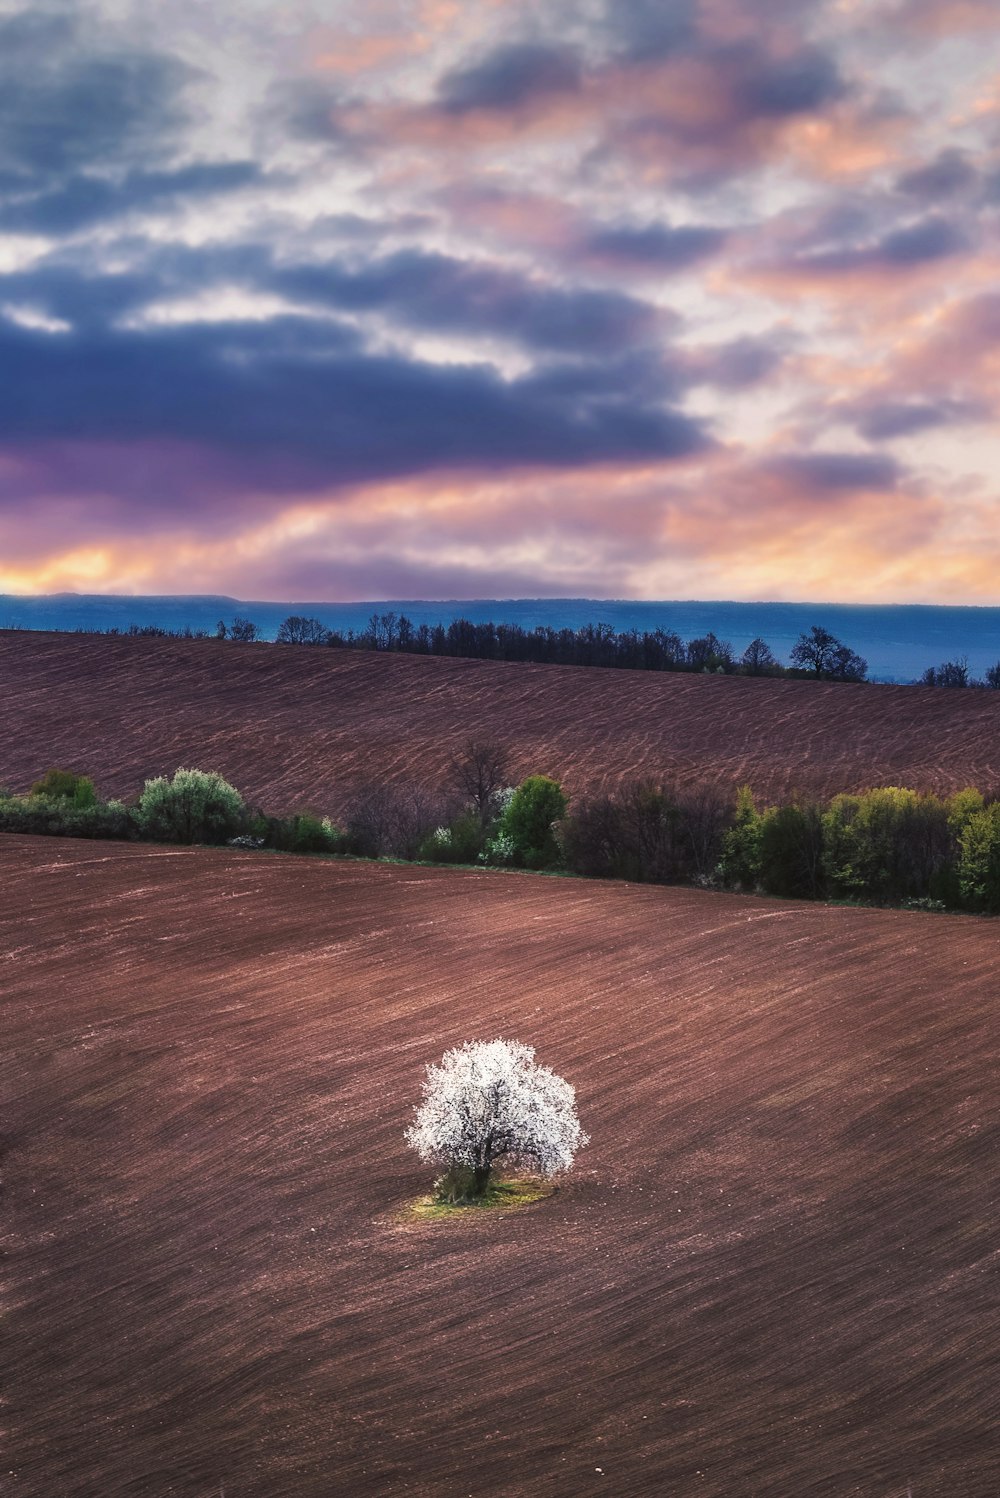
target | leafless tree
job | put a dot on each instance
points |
(479, 771)
(822, 653)
(297, 630)
(949, 674)
(243, 629)
(758, 658)
(390, 820)
(704, 814)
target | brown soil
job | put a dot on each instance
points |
(774, 1271)
(294, 727)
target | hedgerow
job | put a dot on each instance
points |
(886, 846)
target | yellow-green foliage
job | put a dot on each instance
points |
(740, 862)
(961, 806)
(979, 859)
(887, 844)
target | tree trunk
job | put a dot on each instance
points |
(480, 1179)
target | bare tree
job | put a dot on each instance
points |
(243, 629)
(391, 820)
(709, 653)
(705, 813)
(297, 630)
(949, 674)
(480, 771)
(823, 654)
(758, 658)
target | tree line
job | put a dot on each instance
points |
(817, 654)
(886, 846)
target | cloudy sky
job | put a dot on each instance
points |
(457, 298)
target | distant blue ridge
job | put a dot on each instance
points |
(899, 641)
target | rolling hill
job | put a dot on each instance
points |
(294, 727)
(774, 1270)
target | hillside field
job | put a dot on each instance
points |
(295, 728)
(774, 1271)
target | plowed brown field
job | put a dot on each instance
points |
(774, 1272)
(294, 727)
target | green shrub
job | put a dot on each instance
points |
(791, 851)
(306, 833)
(890, 844)
(961, 806)
(461, 841)
(740, 862)
(979, 860)
(53, 817)
(64, 785)
(197, 806)
(528, 820)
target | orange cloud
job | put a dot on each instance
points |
(845, 144)
(355, 54)
(730, 526)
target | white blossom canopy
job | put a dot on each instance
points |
(486, 1101)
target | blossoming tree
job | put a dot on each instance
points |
(488, 1102)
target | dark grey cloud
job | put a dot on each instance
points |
(84, 200)
(67, 103)
(300, 401)
(509, 77)
(930, 239)
(448, 295)
(801, 84)
(745, 88)
(411, 288)
(85, 300)
(638, 377)
(655, 246)
(948, 174)
(835, 473)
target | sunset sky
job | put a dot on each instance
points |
(459, 298)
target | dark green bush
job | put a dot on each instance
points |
(304, 832)
(64, 785)
(791, 852)
(529, 819)
(60, 818)
(460, 841)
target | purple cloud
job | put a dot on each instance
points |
(884, 420)
(949, 173)
(827, 473)
(509, 78)
(659, 246)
